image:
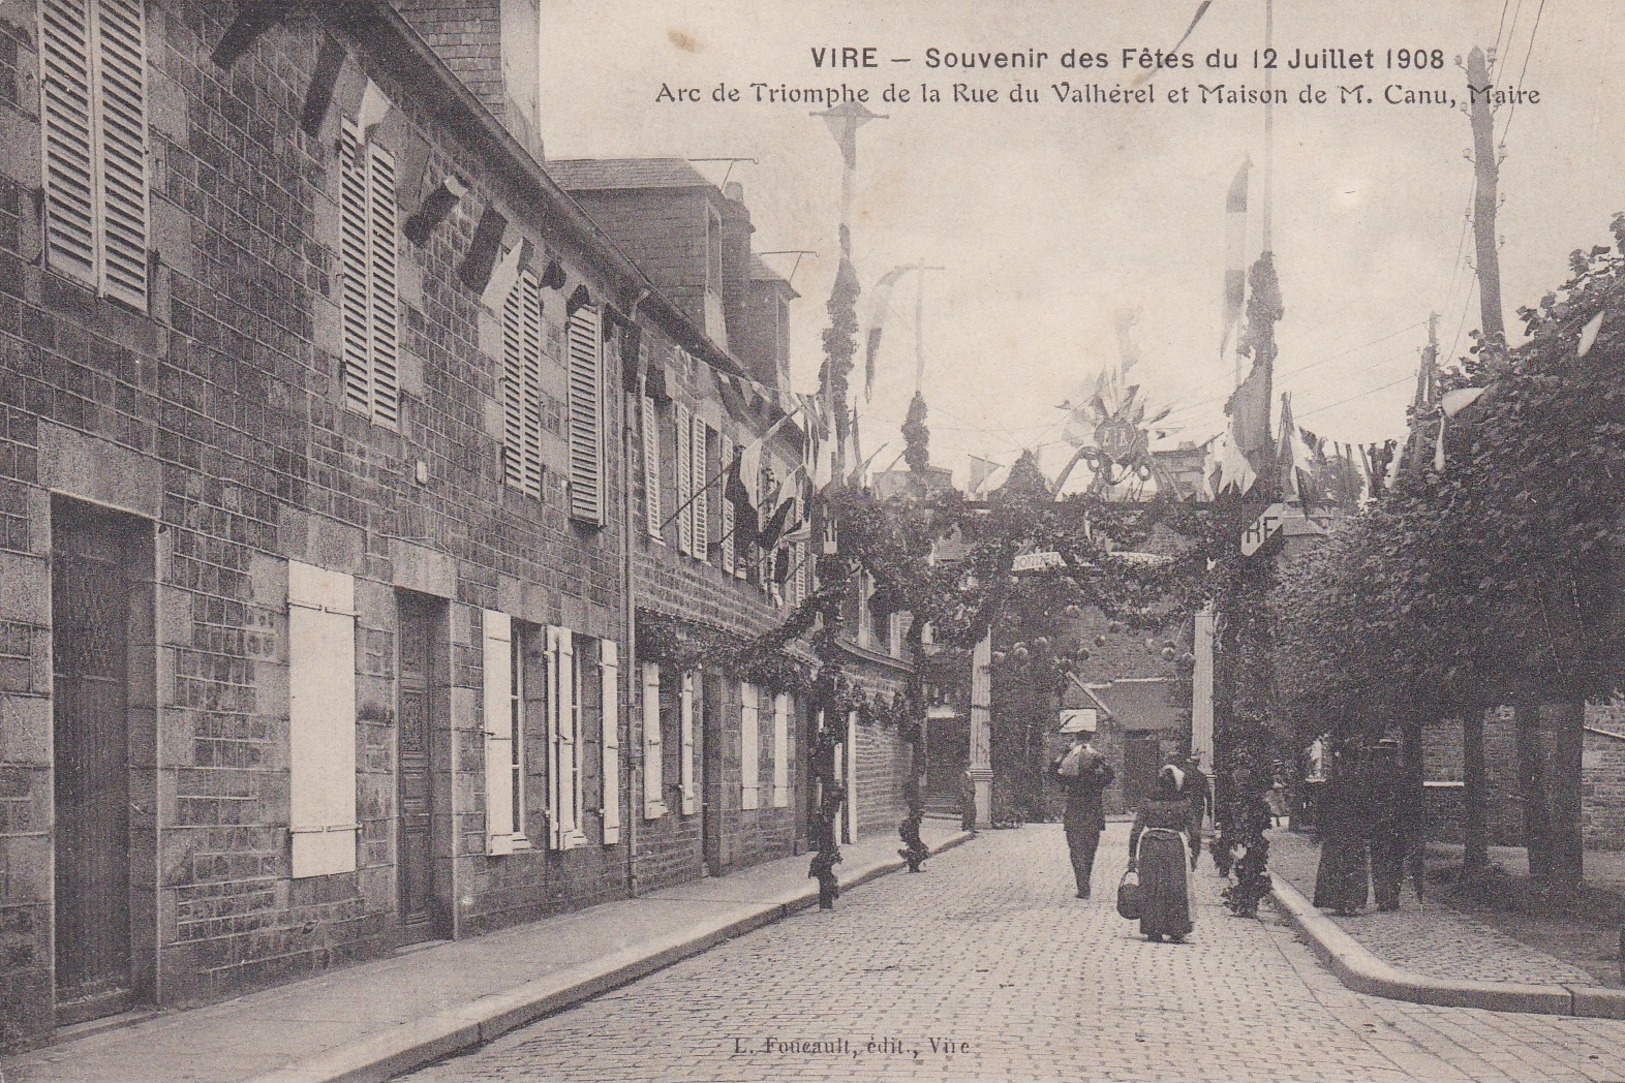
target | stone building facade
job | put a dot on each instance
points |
(322, 506)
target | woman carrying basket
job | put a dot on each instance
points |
(1157, 846)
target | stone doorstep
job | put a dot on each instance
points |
(1360, 970)
(407, 1046)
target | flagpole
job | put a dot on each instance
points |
(695, 495)
(1269, 126)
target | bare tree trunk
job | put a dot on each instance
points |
(1532, 784)
(1475, 856)
(1563, 828)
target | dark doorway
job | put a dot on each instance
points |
(947, 756)
(101, 567)
(1142, 757)
(420, 696)
(711, 777)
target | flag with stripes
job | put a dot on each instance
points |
(1235, 254)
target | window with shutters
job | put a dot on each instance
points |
(93, 119)
(368, 263)
(654, 757)
(321, 721)
(687, 707)
(651, 468)
(750, 752)
(522, 385)
(586, 416)
(504, 796)
(684, 447)
(700, 471)
(782, 707)
(726, 542)
(564, 728)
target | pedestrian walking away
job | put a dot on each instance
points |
(1391, 816)
(1199, 792)
(1157, 847)
(1342, 879)
(1084, 775)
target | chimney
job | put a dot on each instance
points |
(736, 231)
(493, 46)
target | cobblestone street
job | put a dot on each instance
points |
(986, 967)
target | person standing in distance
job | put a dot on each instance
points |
(1084, 775)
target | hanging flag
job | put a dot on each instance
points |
(1235, 253)
(980, 470)
(1588, 335)
(745, 515)
(879, 306)
(773, 530)
(1295, 459)
(1454, 402)
(1249, 411)
(502, 280)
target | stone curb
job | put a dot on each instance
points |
(423, 1041)
(1363, 972)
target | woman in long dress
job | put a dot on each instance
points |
(1157, 846)
(1342, 880)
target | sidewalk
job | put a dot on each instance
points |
(379, 1018)
(1430, 953)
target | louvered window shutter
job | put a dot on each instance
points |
(94, 125)
(610, 668)
(701, 468)
(750, 752)
(369, 263)
(781, 751)
(651, 467)
(654, 793)
(499, 733)
(321, 721)
(586, 417)
(725, 456)
(685, 483)
(522, 384)
(686, 708)
(565, 797)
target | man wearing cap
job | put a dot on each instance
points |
(1084, 775)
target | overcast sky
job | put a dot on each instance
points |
(1050, 217)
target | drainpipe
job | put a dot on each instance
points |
(631, 673)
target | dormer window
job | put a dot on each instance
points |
(713, 251)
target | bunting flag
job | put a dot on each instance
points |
(773, 530)
(1235, 253)
(1231, 468)
(374, 108)
(980, 470)
(879, 305)
(502, 280)
(1296, 460)
(1588, 335)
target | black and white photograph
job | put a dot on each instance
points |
(802, 540)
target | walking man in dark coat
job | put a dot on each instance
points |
(1200, 791)
(1084, 775)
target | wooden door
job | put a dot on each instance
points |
(711, 775)
(1142, 758)
(414, 847)
(90, 598)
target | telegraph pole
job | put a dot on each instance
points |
(1426, 380)
(1486, 173)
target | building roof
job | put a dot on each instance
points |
(1136, 704)
(609, 174)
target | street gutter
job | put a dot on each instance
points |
(423, 1041)
(1363, 972)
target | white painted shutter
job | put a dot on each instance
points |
(750, 752)
(565, 792)
(499, 734)
(725, 457)
(651, 467)
(654, 793)
(383, 262)
(701, 467)
(369, 265)
(781, 751)
(686, 764)
(522, 384)
(586, 417)
(121, 98)
(851, 776)
(610, 668)
(94, 127)
(321, 721)
(70, 154)
(685, 483)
